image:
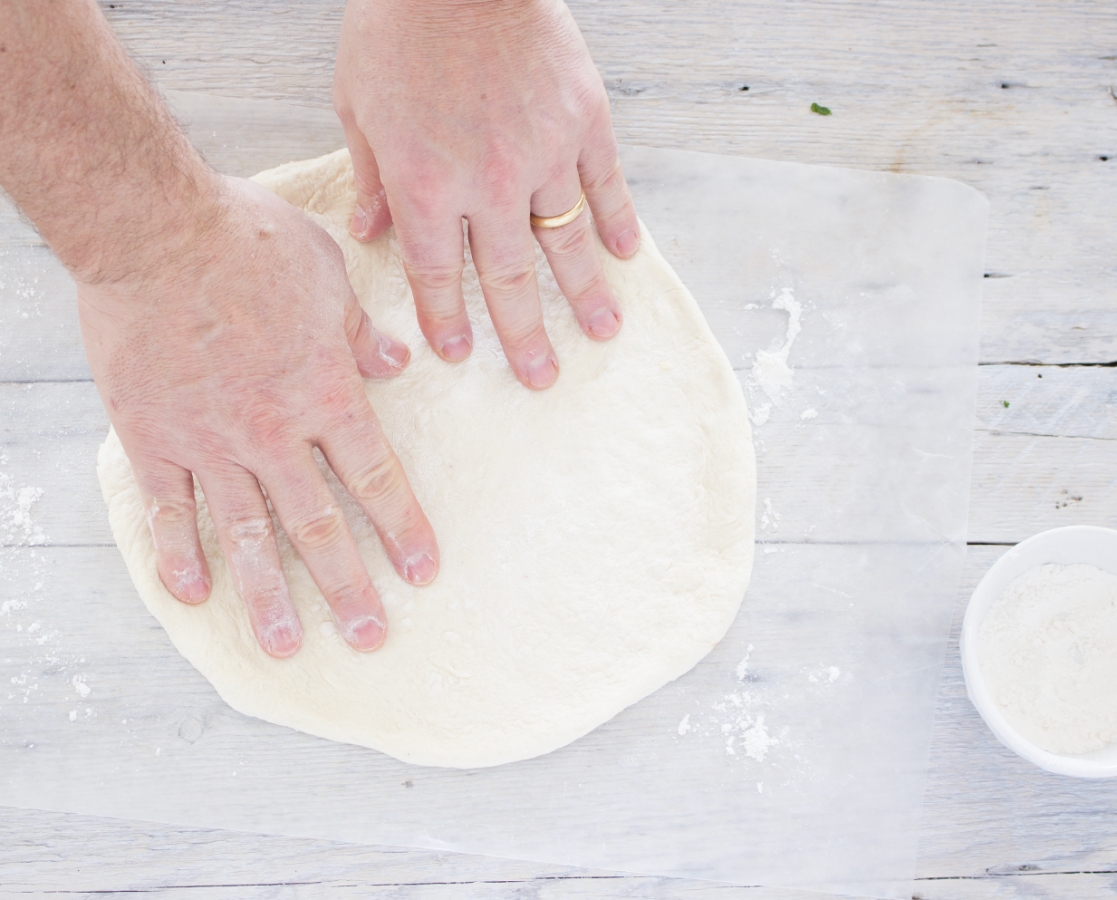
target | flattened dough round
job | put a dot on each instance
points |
(596, 537)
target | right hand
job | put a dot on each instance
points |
(230, 358)
(488, 111)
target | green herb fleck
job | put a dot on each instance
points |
(821, 110)
(1005, 402)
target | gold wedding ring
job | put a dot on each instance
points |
(564, 219)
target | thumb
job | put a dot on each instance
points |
(376, 354)
(372, 217)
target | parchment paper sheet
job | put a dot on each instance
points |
(796, 753)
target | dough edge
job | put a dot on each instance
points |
(133, 538)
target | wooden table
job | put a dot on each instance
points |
(1018, 101)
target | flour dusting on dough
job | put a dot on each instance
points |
(596, 538)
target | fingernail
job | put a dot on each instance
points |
(542, 371)
(359, 224)
(456, 349)
(628, 242)
(604, 323)
(283, 638)
(394, 354)
(420, 569)
(365, 633)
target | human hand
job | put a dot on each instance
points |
(488, 111)
(232, 356)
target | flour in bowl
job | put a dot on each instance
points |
(1048, 652)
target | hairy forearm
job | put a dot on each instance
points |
(87, 149)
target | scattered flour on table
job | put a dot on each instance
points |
(735, 718)
(1048, 651)
(16, 525)
(33, 663)
(746, 724)
(829, 675)
(19, 291)
(770, 372)
(769, 518)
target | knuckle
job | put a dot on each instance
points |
(338, 399)
(253, 561)
(589, 101)
(342, 107)
(349, 595)
(266, 422)
(376, 481)
(505, 201)
(426, 192)
(569, 241)
(436, 277)
(605, 177)
(523, 334)
(268, 599)
(174, 511)
(502, 167)
(368, 184)
(319, 530)
(356, 321)
(586, 286)
(509, 281)
(443, 319)
(248, 532)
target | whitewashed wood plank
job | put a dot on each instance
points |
(39, 333)
(240, 47)
(1046, 460)
(49, 435)
(535, 889)
(675, 73)
(1035, 886)
(116, 856)
(1023, 483)
(1048, 401)
(41, 850)
(1057, 48)
(1057, 302)
(989, 813)
(119, 855)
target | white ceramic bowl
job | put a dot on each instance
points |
(1075, 544)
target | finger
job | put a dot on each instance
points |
(364, 461)
(247, 536)
(599, 168)
(433, 255)
(168, 496)
(377, 354)
(371, 217)
(505, 260)
(319, 533)
(572, 253)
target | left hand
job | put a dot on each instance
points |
(488, 111)
(229, 357)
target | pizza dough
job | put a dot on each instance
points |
(596, 537)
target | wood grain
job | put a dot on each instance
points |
(1016, 105)
(985, 813)
(1012, 100)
